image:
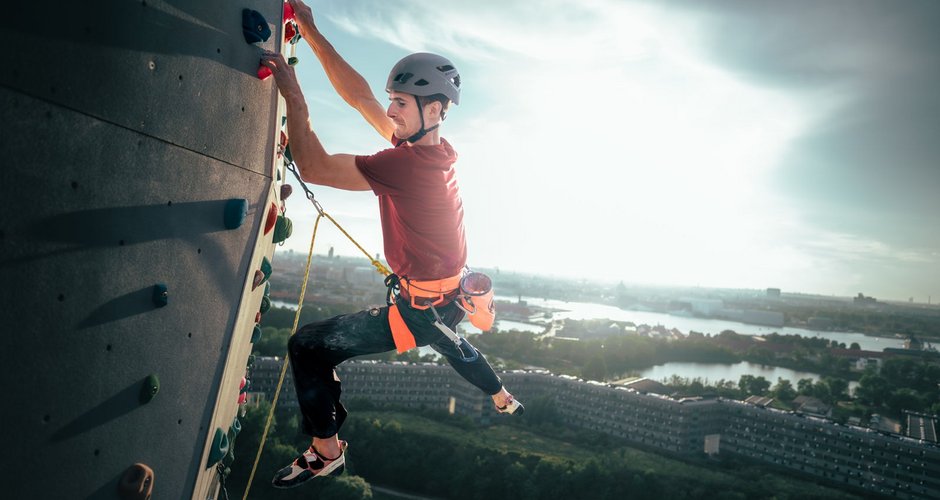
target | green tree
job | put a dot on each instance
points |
(784, 390)
(873, 389)
(905, 399)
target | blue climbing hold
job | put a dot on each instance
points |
(256, 334)
(161, 296)
(254, 26)
(236, 210)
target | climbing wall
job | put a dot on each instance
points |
(138, 171)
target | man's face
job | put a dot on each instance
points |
(403, 110)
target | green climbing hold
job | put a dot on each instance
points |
(236, 426)
(255, 335)
(150, 389)
(160, 295)
(267, 289)
(292, 61)
(283, 228)
(266, 269)
(219, 449)
(236, 210)
(265, 304)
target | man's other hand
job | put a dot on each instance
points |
(284, 75)
(303, 15)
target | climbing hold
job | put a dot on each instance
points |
(267, 289)
(254, 26)
(266, 268)
(290, 31)
(265, 305)
(284, 120)
(236, 210)
(271, 220)
(236, 426)
(263, 72)
(245, 385)
(251, 360)
(242, 398)
(286, 191)
(283, 229)
(136, 483)
(288, 12)
(287, 155)
(257, 280)
(292, 61)
(150, 389)
(219, 448)
(160, 295)
(256, 334)
(258, 317)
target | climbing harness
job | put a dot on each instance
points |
(424, 295)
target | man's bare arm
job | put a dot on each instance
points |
(347, 82)
(315, 164)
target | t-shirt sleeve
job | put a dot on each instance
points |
(384, 170)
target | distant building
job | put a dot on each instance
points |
(861, 300)
(812, 406)
(773, 293)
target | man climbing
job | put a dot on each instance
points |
(422, 224)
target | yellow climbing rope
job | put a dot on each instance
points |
(381, 268)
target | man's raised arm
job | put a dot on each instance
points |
(349, 84)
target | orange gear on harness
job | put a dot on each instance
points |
(465, 288)
(422, 295)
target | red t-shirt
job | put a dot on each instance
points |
(420, 207)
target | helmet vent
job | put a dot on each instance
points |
(421, 83)
(445, 68)
(404, 77)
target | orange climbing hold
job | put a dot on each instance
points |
(136, 483)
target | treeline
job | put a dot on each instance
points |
(600, 359)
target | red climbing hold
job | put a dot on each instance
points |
(258, 317)
(243, 398)
(272, 218)
(289, 32)
(288, 12)
(263, 72)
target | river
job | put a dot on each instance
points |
(583, 310)
(710, 373)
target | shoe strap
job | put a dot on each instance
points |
(322, 457)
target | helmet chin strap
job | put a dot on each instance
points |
(421, 133)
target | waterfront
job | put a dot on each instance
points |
(710, 373)
(685, 324)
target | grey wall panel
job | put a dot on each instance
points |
(96, 214)
(179, 71)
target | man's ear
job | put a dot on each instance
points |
(434, 109)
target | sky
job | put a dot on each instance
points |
(731, 144)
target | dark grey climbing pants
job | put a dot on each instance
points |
(316, 349)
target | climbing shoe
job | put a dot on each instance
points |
(513, 407)
(309, 465)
